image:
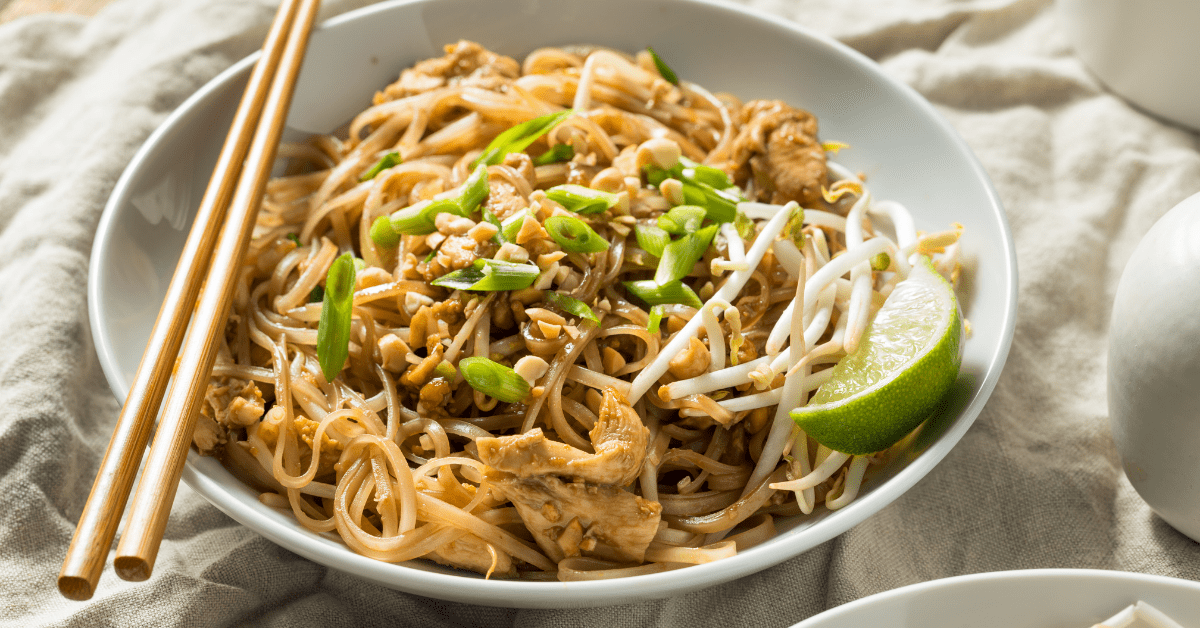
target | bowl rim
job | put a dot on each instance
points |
(589, 593)
(1051, 575)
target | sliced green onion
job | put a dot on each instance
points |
(383, 234)
(571, 305)
(333, 332)
(494, 379)
(475, 189)
(317, 294)
(503, 275)
(556, 154)
(651, 293)
(656, 316)
(667, 73)
(707, 175)
(462, 279)
(433, 253)
(655, 175)
(445, 370)
(360, 264)
(418, 218)
(682, 219)
(294, 237)
(490, 275)
(721, 205)
(581, 199)
(652, 239)
(387, 161)
(519, 137)
(705, 186)
(574, 235)
(680, 256)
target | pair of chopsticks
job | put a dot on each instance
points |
(211, 257)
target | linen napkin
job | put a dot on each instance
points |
(1034, 483)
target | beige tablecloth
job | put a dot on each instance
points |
(1035, 482)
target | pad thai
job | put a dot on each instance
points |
(535, 319)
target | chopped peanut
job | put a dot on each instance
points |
(608, 180)
(757, 420)
(510, 252)
(393, 352)
(543, 315)
(371, 276)
(659, 151)
(531, 230)
(592, 399)
(546, 259)
(531, 368)
(413, 302)
(549, 330)
(451, 224)
(612, 360)
(672, 190)
(483, 232)
(692, 362)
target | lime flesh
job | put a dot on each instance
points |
(906, 362)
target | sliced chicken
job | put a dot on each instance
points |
(229, 403)
(471, 553)
(573, 519)
(619, 439)
(777, 155)
(466, 63)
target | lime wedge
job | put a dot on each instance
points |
(907, 360)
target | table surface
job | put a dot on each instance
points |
(20, 8)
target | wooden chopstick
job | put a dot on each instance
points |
(101, 514)
(151, 502)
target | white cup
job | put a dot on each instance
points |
(1154, 367)
(1147, 51)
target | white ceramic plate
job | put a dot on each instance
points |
(908, 152)
(1035, 598)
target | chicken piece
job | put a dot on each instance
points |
(619, 439)
(471, 553)
(208, 436)
(503, 199)
(466, 63)
(777, 149)
(573, 519)
(523, 165)
(229, 403)
(232, 402)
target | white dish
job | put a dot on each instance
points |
(1152, 364)
(1035, 598)
(899, 141)
(1143, 51)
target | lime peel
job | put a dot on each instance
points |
(908, 359)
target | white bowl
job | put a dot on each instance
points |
(908, 152)
(1153, 365)
(1034, 598)
(1145, 52)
